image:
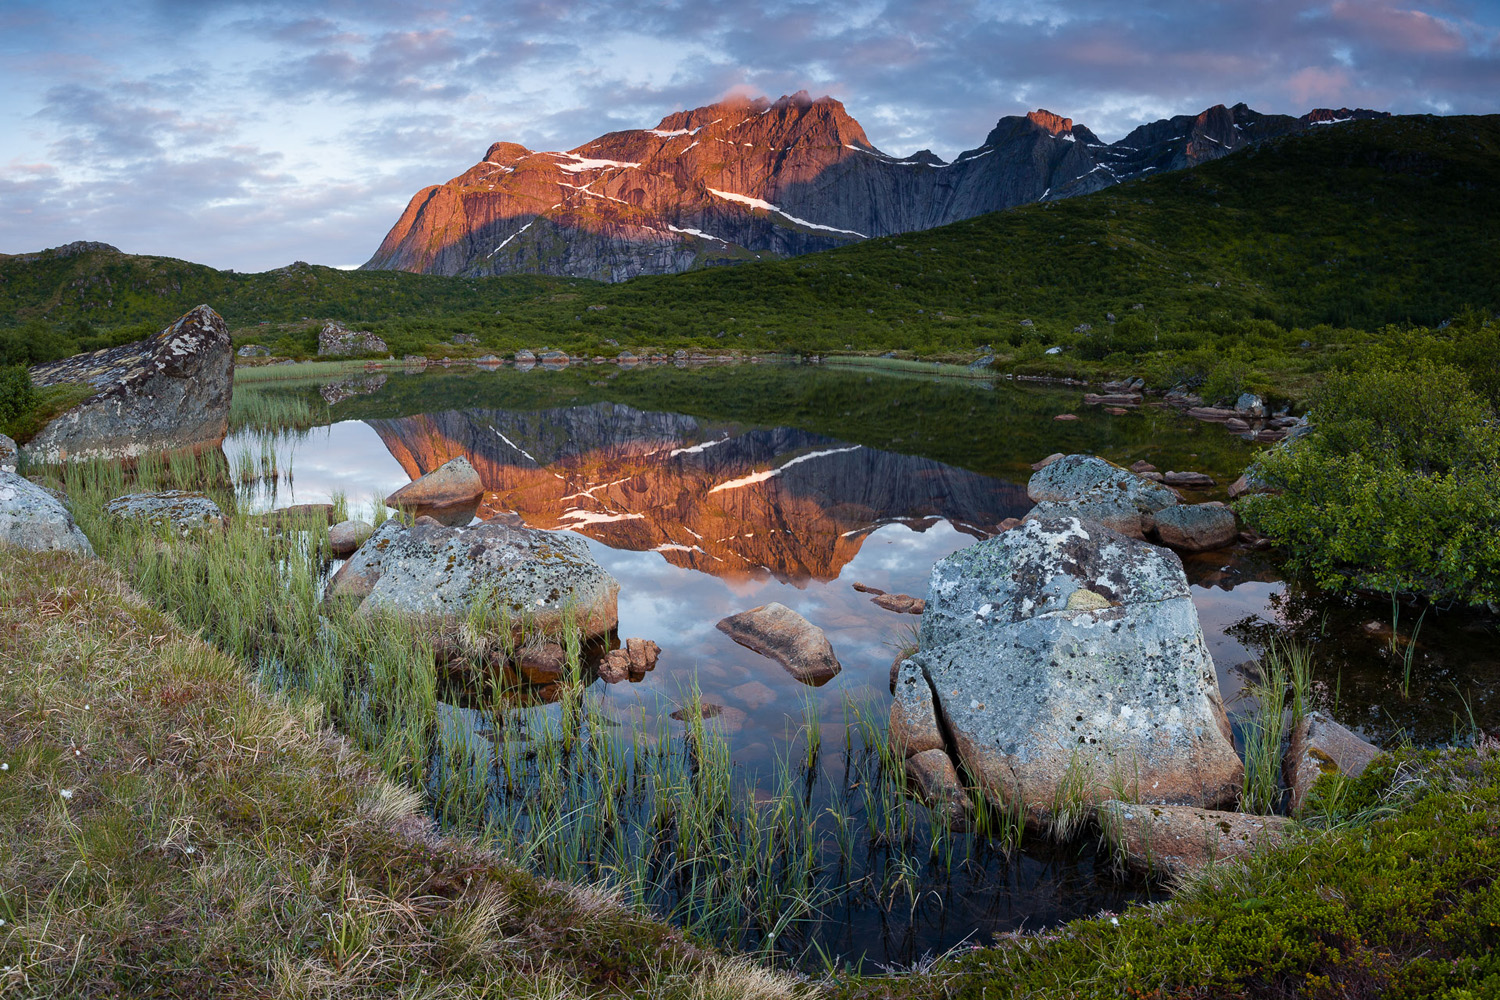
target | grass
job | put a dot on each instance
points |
(169, 830)
(48, 403)
(1264, 734)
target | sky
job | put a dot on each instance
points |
(247, 134)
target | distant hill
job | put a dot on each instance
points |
(1373, 222)
(746, 180)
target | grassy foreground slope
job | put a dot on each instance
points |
(1344, 228)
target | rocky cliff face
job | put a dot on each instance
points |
(748, 179)
(722, 500)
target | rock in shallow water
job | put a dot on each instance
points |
(347, 536)
(1067, 662)
(777, 631)
(453, 482)
(31, 518)
(1090, 488)
(1197, 527)
(541, 576)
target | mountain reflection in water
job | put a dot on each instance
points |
(719, 499)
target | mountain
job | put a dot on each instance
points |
(752, 179)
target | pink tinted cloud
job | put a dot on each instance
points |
(1398, 28)
(1318, 85)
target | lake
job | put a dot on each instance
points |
(707, 492)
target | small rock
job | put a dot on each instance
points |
(903, 604)
(1191, 480)
(1008, 523)
(1250, 405)
(615, 666)
(1142, 466)
(777, 631)
(933, 777)
(346, 536)
(1112, 399)
(179, 509)
(868, 590)
(1247, 483)
(7, 454)
(1172, 840)
(642, 654)
(1321, 746)
(1116, 411)
(1065, 417)
(453, 482)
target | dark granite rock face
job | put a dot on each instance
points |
(747, 179)
(167, 393)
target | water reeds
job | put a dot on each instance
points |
(1264, 731)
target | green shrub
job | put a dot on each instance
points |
(17, 394)
(1397, 489)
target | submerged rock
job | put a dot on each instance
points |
(1067, 662)
(167, 393)
(1172, 840)
(32, 518)
(777, 631)
(181, 510)
(1321, 746)
(454, 482)
(431, 569)
(933, 777)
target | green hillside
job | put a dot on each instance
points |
(1323, 237)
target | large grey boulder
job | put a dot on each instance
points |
(167, 393)
(1068, 666)
(777, 631)
(180, 510)
(538, 577)
(1092, 489)
(32, 518)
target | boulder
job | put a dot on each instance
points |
(1321, 746)
(1250, 405)
(8, 454)
(523, 356)
(614, 667)
(777, 631)
(347, 536)
(1066, 661)
(167, 393)
(1090, 488)
(453, 482)
(181, 510)
(1247, 483)
(642, 655)
(1173, 840)
(1039, 466)
(254, 351)
(933, 777)
(336, 340)
(1141, 467)
(32, 518)
(1199, 527)
(430, 569)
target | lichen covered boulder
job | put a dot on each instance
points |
(180, 510)
(337, 340)
(167, 393)
(430, 569)
(32, 518)
(1068, 666)
(1199, 527)
(1092, 489)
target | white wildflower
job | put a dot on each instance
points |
(1115, 921)
(66, 793)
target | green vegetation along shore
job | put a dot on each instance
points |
(1259, 270)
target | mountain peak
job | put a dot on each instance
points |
(1055, 124)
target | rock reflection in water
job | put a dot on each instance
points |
(724, 501)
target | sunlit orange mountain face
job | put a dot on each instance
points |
(730, 502)
(749, 179)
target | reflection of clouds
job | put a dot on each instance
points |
(346, 457)
(1217, 611)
